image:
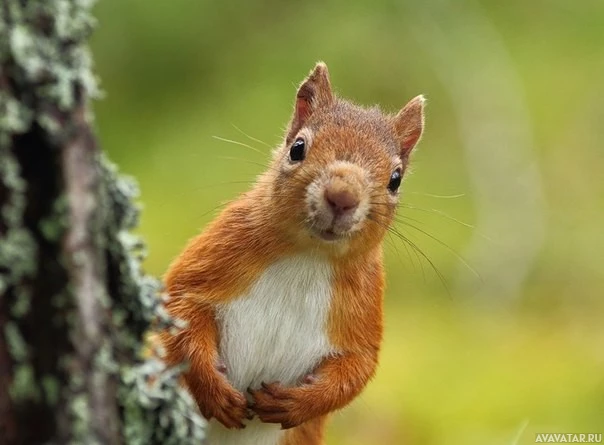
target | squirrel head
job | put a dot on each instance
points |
(336, 178)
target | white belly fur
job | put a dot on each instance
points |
(274, 332)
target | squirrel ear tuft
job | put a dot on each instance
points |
(315, 92)
(409, 125)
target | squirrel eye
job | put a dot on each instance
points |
(296, 152)
(395, 181)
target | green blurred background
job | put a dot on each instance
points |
(509, 177)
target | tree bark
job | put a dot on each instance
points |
(74, 304)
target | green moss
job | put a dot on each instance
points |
(24, 386)
(53, 226)
(51, 389)
(16, 345)
(105, 359)
(18, 253)
(48, 60)
(22, 305)
(164, 402)
(14, 117)
(17, 246)
(79, 411)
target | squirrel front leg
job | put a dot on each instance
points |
(334, 384)
(206, 374)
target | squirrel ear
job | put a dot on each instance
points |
(315, 92)
(409, 124)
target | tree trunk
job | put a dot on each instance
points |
(74, 305)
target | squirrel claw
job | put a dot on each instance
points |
(274, 389)
(287, 425)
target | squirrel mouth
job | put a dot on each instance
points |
(329, 235)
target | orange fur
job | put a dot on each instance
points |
(271, 222)
(309, 433)
(197, 344)
(221, 262)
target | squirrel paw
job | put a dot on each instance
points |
(227, 405)
(275, 403)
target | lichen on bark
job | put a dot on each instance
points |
(74, 303)
(150, 394)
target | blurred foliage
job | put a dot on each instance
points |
(456, 368)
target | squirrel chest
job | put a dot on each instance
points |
(276, 331)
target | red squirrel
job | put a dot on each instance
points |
(282, 293)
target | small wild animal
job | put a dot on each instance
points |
(283, 291)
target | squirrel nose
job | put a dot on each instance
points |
(341, 201)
